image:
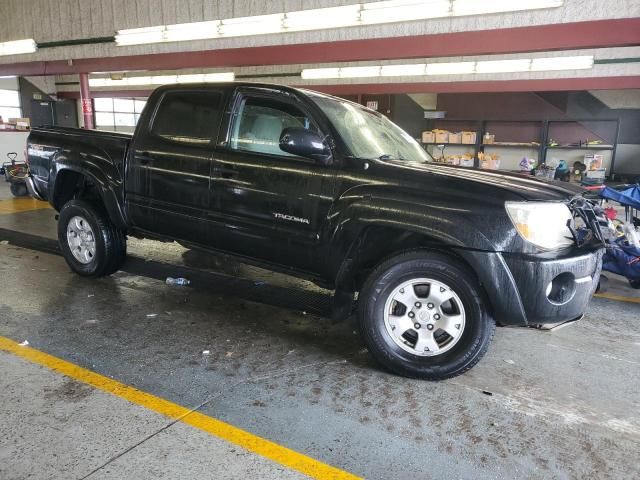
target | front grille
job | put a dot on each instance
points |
(587, 223)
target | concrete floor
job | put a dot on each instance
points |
(540, 405)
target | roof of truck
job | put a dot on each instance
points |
(270, 86)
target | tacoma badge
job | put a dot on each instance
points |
(291, 218)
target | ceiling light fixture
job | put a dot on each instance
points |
(18, 47)
(562, 63)
(503, 66)
(403, 70)
(191, 31)
(450, 68)
(453, 68)
(163, 79)
(476, 7)
(320, 73)
(403, 10)
(355, 72)
(322, 18)
(255, 25)
(370, 13)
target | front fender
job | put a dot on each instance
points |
(442, 223)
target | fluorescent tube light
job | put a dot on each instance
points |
(562, 63)
(163, 79)
(102, 82)
(387, 11)
(403, 10)
(255, 25)
(402, 70)
(135, 81)
(18, 47)
(450, 68)
(354, 72)
(191, 31)
(320, 73)
(219, 77)
(139, 36)
(503, 66)
(191, 78)
(479, 7)
(321, 18)
(207, 77)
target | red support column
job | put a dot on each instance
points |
(85, 99)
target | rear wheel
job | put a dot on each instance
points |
(423, 315)
(90, 243)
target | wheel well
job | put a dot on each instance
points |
(73, 185)
(376, 244)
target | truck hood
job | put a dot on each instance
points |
(524, 186)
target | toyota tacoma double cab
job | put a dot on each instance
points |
(430, 256)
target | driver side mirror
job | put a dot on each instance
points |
(304, 143)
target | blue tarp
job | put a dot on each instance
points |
(629, 197)
(623, 260)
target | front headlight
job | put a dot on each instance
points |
(543, 224)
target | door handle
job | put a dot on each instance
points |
(144, 158)
(226, 171)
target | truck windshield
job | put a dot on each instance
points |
(368, 134)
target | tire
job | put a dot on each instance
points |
(465, 315)
(102, 248)
(19, 190)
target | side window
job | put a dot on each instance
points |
(188, 117)
(260, 122)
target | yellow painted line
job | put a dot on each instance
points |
(620, 298)
(17, 205)
(277, 453)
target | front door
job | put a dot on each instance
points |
(169, 164)
(271, 204)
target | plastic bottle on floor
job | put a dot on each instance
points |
(177, 282)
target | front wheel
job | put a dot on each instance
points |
(90, 243)
(423, 315)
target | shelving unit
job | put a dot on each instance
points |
(538, 132)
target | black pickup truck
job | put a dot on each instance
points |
(327, 190)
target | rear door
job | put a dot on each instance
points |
(270, 205)
(170, 162)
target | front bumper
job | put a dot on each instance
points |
(557, 290)
(538, 289)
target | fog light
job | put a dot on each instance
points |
(561, 289)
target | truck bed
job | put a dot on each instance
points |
(48, 144)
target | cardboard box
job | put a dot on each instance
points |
(455, 138)
(442, 137)
(466, 163)
(488, 139)
(468, 138)
(428, 137)
(21, 123)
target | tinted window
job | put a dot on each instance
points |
(191, 117)
(260, 122)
